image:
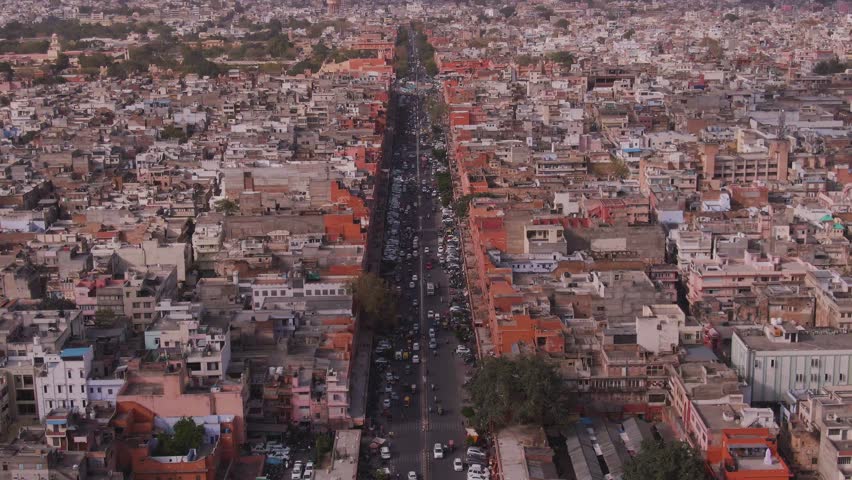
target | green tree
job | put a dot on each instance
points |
(628, 34)
(376, 300)
(62, 62)
(51, 303)
(730, 17)
(324, 443)
(544, 11)
(565, 59)
(828, 67)
(172, 132)
(6, 71)
(666, 461)
(562, 24)
(104, 317)
(507, 11)
(187, 435)
(227, 206)
(525, 390)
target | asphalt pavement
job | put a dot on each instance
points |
(413, 430)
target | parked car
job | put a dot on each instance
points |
(462, 350)
(309, 471)
(385, 453)
(297, 471)
(458, 465)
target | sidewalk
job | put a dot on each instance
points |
(360, 377)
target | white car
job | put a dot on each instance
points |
(425, 249)
(297, 471)
(386, 403)
(478, 469)
(412, 475)
(414, 278)
(430, 314)
(416, 346)
(458, 465)
(309, 471)
(410, 284)
(385, 452)
(438, 451)
(462, 350)
(415, 359)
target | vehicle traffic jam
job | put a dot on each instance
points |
(419, 368)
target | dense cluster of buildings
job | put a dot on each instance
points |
(181, 245)
(665, 215)
(661, 207)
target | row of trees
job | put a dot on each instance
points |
(74, 30)
(425, 50)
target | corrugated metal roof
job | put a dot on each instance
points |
(582, 453)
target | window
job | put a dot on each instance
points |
(45, 389)
(814, 362)
(109, 391)
(99, 390)
(844, 460)
(50, 403)
(814, 377)
(70, 388)
(69, 373)
(772, 363)
(757, 364)
(799, 377)
(82, 375)
(59, 388)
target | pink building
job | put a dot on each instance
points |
(164, 389)
(724, 281)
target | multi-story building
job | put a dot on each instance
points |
(833, 298)
(724, 281)
(61, 382)
(26, 338)
(184, 331)
(781, 357)
(746, 165)
(688, 246)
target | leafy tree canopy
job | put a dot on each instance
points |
(666, 461)
(525, 389)
(376, 300)
(828, 67)
(187, 435)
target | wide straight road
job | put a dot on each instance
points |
(438, 374)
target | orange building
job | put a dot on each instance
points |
(196, 465)
(747, 454)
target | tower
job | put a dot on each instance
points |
(333, 7)
(55, 47)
